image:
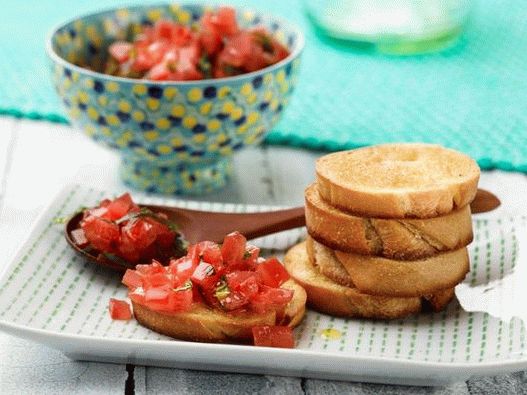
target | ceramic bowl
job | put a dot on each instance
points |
(173, 137)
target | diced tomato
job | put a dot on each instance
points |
(173, 51)
(120, 206)
(179, 300)
(196, 296)
(193, 253)
(210, 41)
(142, 61)
(234, 301)
(233, 248)
(250, 257)
(132, 279)
(156, 280)
(225, 20)
(159, 72)
(79, 238)
(148, 270)
(202, 272)
(182, 268)
(137, 297)
(270, 298)
(211, 253)
(163, 235)
(102, 234)
(273, 336)
(236, 51)
(181, 35)
(120, 50)
(164, 29)
(140, 232)
(105, 203)
(119, 309)
(207, 278)
(272, 272)
(101, 212)
(244, 282)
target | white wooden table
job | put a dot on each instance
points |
(37, 158)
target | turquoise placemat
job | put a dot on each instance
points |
(472, 97)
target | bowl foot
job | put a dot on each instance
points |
(179, 179)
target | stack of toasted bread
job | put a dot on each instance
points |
(388, 228)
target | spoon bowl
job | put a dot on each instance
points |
(196, 225)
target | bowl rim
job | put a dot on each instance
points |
(95, 74)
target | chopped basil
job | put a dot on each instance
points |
(180, 246)
(63, 220)
(231, 70)
(184, 287)
(205, 66)
(222, 290)
(172, 66)
(145, 212)
(246, 255)
(265, 41)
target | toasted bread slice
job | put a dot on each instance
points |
(388, 277)
(206, 324)
(398, 180)
(328, 297)
(390, 238)
(324, 259)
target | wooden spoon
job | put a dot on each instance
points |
(197, 225)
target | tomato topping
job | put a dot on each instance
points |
(148, 270)
(137, 297)
(119, 309)
(205, 276)
(180, 300)
(132, 279)
(211, 253)
(101, 233)
(156, 280)
(233, 301)
(120, 50)
(272, 272)
(120, 207)
(120, 227)
(250, 257)
(216, 47)
(79, 238)
(244, 282)
(232, 278)
(182, 268)
(233, 248)
(271, 298)
(273, 336)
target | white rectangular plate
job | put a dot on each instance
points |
(50, 295)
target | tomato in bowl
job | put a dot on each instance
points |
(174, 137)
(215, 47)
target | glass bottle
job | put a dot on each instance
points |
(392, 26)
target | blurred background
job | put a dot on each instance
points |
(450, 72)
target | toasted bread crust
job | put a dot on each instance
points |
(398, 180)
(205, 324)
(439, 300)
(390, 238)
(331, 298)
(387, 277)
(324, 259)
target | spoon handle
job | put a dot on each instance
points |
(201, 225)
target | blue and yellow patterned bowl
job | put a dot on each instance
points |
(174, 137)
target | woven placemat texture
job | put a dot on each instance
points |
(471, 97)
